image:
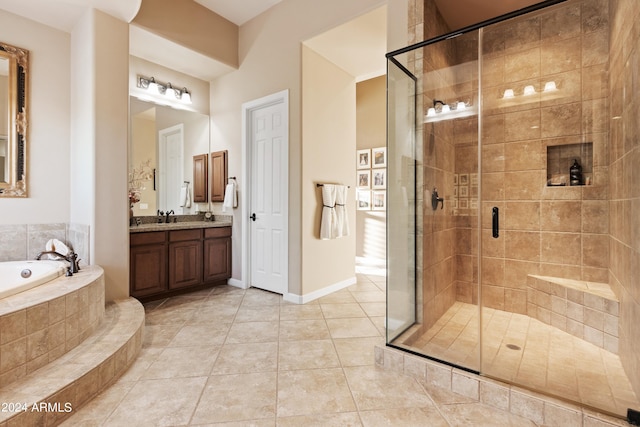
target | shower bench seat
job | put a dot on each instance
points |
(587, 310)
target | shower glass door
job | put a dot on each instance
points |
(504, 151)
(550, 319)
(401, 199)
(446, 323)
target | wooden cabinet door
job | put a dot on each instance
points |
(148, 269)
(200, 178)
(185, 263)
(217, 259)
(218, 175)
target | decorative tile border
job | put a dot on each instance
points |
(540, 409)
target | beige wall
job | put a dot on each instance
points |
(143, 132)
(193, 26)
(624, 155)
(100, 53)
(371, 132)
(270, 61)
(328, 156)
(49, 122)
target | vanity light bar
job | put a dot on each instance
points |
(164, 90)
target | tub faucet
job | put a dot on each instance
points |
(71, 258)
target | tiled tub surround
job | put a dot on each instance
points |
(540, 409)
(26, 241)
(587, 310)
(59, 345)
(70, 382)
(41, 324)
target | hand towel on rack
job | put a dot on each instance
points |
(185, 196)
(342, 220)
(230, 197)
(329, 220)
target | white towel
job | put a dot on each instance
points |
(329, 222)
(185, 196)
(230, 197)
(342, 220)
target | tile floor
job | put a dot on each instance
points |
(237, 357)
(546, 359)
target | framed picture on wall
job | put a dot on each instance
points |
(379, 178)
(363, 200)
(363, 159)
(379, 157)
(364, 179)
(379, 200)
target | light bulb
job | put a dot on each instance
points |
(550, 86)
(431, 112)
(446, 108)
(461, 106)
(529, 90)
(508, 94)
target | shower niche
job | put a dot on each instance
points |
(570, 164)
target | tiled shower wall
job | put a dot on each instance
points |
(26, 241)
(553, 231)
(625, 178)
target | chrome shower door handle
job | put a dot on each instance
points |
(495, 221)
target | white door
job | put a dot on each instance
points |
(268, 132)
(171, 142)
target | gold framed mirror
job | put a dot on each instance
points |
(13, 120)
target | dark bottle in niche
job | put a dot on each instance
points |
(575, 173)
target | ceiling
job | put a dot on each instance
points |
(358, 46)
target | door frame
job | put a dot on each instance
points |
(248, 109)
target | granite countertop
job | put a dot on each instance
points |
(184, 222)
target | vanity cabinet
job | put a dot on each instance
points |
(217, 253)
(200, 178)
(185, 258)
(148, 263)
(165, 263)
(219, 176)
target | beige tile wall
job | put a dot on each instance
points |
(438, 290)
(624, 151)
(553, 231)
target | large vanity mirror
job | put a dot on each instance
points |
(13, 120)
(163, 144)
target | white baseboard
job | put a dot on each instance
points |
(303, 299)
(237, 283)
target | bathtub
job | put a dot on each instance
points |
(18, 276)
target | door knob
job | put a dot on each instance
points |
(253, 217)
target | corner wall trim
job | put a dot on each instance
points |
(237, 283)
(303, 299)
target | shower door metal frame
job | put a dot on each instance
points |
(391, 57)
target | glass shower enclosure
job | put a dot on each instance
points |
(498, 193)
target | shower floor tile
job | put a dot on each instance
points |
(524, 351)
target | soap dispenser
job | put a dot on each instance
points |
(575, 173)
